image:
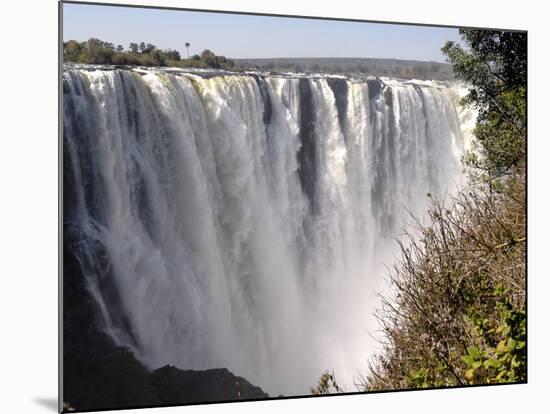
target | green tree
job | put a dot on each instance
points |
(149, 48)
(158, 58)
(172, 54)
(119, 59)
(494, 64)
(134, 48)
(96, 52)
(72, 50)
(209, 59)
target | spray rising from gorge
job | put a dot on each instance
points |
(243, 221)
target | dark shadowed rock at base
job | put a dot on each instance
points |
(119, 380)
(99, 375)
(187, 386)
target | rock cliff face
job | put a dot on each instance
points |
(175, 386)
(119, 380)
(99, 375)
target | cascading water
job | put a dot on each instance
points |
(244, 221)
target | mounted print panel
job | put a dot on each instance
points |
(262, 206)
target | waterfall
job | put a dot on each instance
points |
(244, 221)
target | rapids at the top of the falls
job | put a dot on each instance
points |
(211, 72)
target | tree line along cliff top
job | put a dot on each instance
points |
(99, 52)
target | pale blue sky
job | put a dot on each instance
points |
(245, 36)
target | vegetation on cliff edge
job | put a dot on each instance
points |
(95, 51)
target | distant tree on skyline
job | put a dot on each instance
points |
(187, 44)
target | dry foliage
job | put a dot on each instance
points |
(326, 385)
(456, 315)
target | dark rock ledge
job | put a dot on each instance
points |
(119, 380)
(97, 374)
